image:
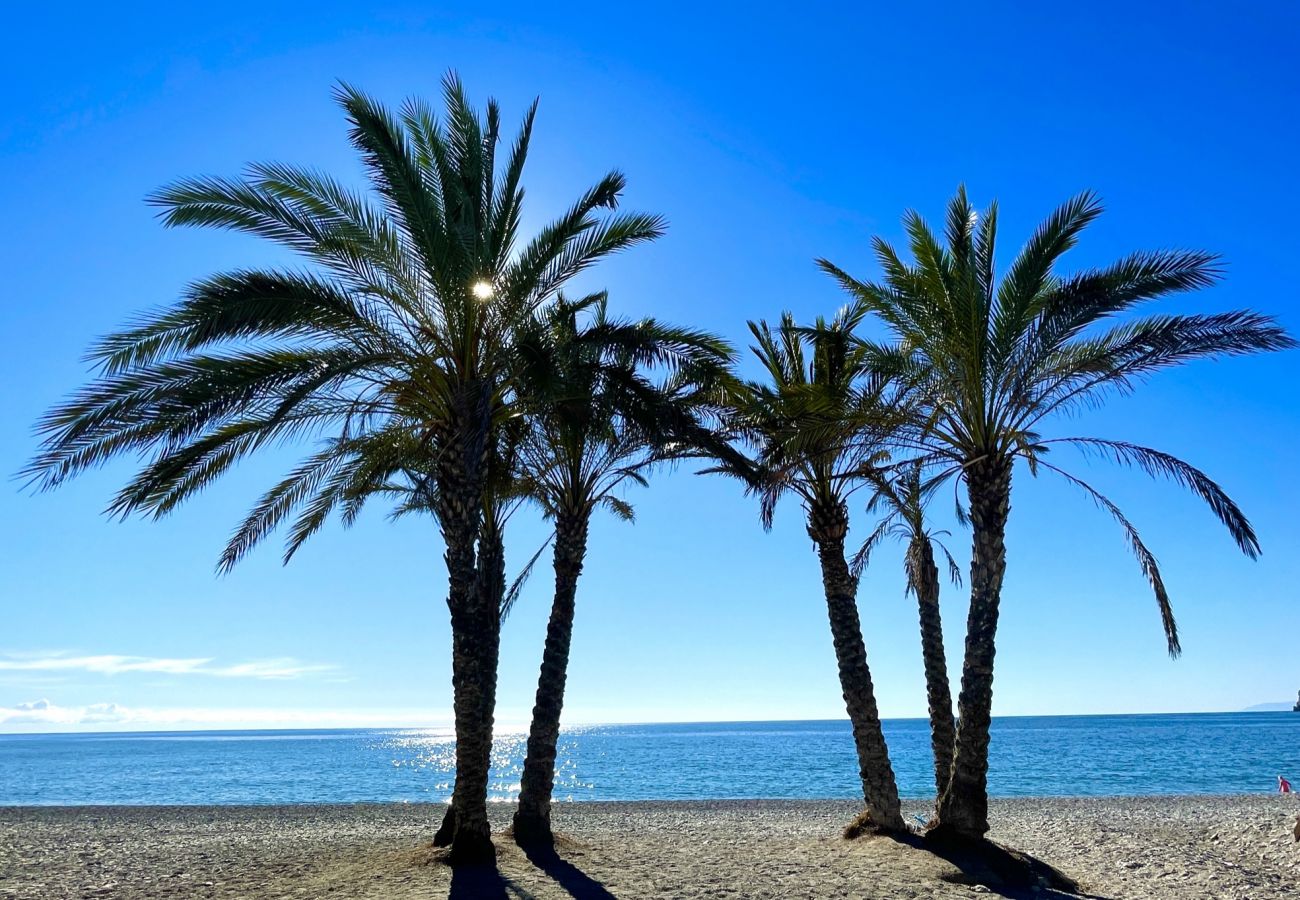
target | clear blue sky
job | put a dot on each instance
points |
(767, 140)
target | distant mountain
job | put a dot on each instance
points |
(1269, 707)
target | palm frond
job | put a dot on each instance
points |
(1146, 559)
(1158, 464)
(516, 587)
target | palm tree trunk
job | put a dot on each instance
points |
(447, 830)
(924, 575)
(532, 822)
(879, 789)
(475, 633)
(963, 807)
(474, 636)
(489, 583)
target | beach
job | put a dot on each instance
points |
(1185, 847)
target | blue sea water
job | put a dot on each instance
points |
(1030, 756)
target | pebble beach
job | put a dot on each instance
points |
(1226, 848)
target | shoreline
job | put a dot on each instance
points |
(1131, 847)
(919, 802)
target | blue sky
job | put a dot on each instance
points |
(767, 140)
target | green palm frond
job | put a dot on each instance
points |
(900, 496)
(820, 424)
(279, 502)
(1157, 464)
(516, 587)
(242, 306)
(1146, 559)
(619, 507)
(605, 400)
(984, 363)
(381, 347)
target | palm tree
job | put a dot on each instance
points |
(401, 330)
(902, 501)
(815, 429)
(990, 360)
(598, 422)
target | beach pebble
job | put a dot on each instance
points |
(1190, 848)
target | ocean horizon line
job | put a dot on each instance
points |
(520, 728)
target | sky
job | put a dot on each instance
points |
(766, 140)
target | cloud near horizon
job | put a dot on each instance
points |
(115, 664)
(43, 712)
(46, 714)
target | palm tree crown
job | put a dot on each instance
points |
(989, 359)
(402, 325)
(818, 423)
(900, 498)
(596, 415)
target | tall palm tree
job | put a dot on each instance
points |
(991, 360)
(401, 329)
(814, 428)
(901, 504)
(599, 420)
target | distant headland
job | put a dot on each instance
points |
(1278, 706)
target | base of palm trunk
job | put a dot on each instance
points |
(447, 830)
(866, 825)
(981, 861)
(472, 847)
(963, 809)
(532, 830)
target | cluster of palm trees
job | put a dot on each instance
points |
(431, 355)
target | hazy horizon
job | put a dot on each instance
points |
(520, 727)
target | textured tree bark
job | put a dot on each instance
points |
(473, 633)
(532, 823)
(828, 529)
(943, 730)
(447, 830)
(963, 807)
(460, 474)
(489, 582)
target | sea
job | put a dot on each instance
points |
(1034, 756)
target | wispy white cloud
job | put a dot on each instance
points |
(46, 715)
(114, 664)
(43, 712)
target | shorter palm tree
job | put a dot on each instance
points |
(596, 421)
(901, 502)
(813, 429)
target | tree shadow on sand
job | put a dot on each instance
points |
(487, 882)
(1003, 871)
(484, 883)
(578, 883)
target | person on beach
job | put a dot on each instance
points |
(1284, 786)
